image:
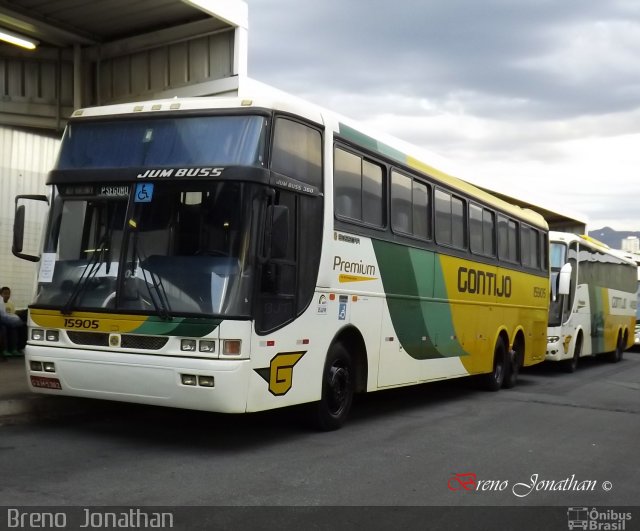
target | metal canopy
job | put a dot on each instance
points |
(63, 23)
(94, 52)
(563, 222)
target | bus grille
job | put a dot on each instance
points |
(143, 342)
(94, 339)
(132, 341)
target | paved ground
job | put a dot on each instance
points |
(18, 404)
(392, 466)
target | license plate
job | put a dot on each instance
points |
(46, 383)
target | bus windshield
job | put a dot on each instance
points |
(557, 258)
(188, 249)
(184, 141)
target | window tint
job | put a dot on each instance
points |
(458, 231)
(372, 193)
(421, 212)
(401, 211)
(481, 230)
(297, 151)
(489, 232)
(359, 188)
(450, 219)
(507, 239)
(475, 229)
(529, 247)
(443, 217)
(410, 206)
(348, 182)
(544, 246)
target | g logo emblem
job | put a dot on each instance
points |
(279, 375)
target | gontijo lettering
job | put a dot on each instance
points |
(480, 282)
(353, 267)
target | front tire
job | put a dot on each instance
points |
(338, 380)
(572, 364)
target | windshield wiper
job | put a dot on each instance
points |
(161, 305)
(90, 271)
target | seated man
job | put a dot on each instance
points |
(15, 328)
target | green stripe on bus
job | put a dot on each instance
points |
(178, 326)
(371, 143)
(424, 326)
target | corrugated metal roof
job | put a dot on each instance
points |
(66, 22)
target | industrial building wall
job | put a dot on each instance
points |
(36, 91)
(25, 159)
(145, 74)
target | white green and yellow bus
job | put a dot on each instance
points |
(593, 300)
(238, 255)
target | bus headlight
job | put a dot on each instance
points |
(553, 339)
(207, 346)
(188, 379)
(37, 334)
(188, 345)
(206, 381)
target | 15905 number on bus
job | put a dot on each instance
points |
(91, 324)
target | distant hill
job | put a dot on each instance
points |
(613, 238)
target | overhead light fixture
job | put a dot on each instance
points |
(18, 40)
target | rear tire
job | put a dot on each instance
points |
(338, 379)
(493, 381)
(616, 355)
(514, 363)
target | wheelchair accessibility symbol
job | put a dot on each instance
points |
(144, 193)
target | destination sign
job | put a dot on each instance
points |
(114, 191)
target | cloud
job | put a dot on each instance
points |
(541, 57)
(534, 91)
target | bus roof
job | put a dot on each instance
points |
(588, 241)
(267, 97)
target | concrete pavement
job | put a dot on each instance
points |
(19, 404)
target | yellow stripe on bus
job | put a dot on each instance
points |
(87, 321)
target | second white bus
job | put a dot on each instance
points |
(593, 300)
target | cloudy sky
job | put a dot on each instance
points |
(539, 99)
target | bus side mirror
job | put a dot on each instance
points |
(18, 230)
(276, 240)
(564, 282)
(19, 224)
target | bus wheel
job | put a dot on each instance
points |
(493, 380)
(572, 364)
(338, 380)
(616, 355)
(512, 369)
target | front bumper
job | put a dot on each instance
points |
(141, 378)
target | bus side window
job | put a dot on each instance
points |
(297, 151)
(287, 283)
(279, 276)
(359, 188)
